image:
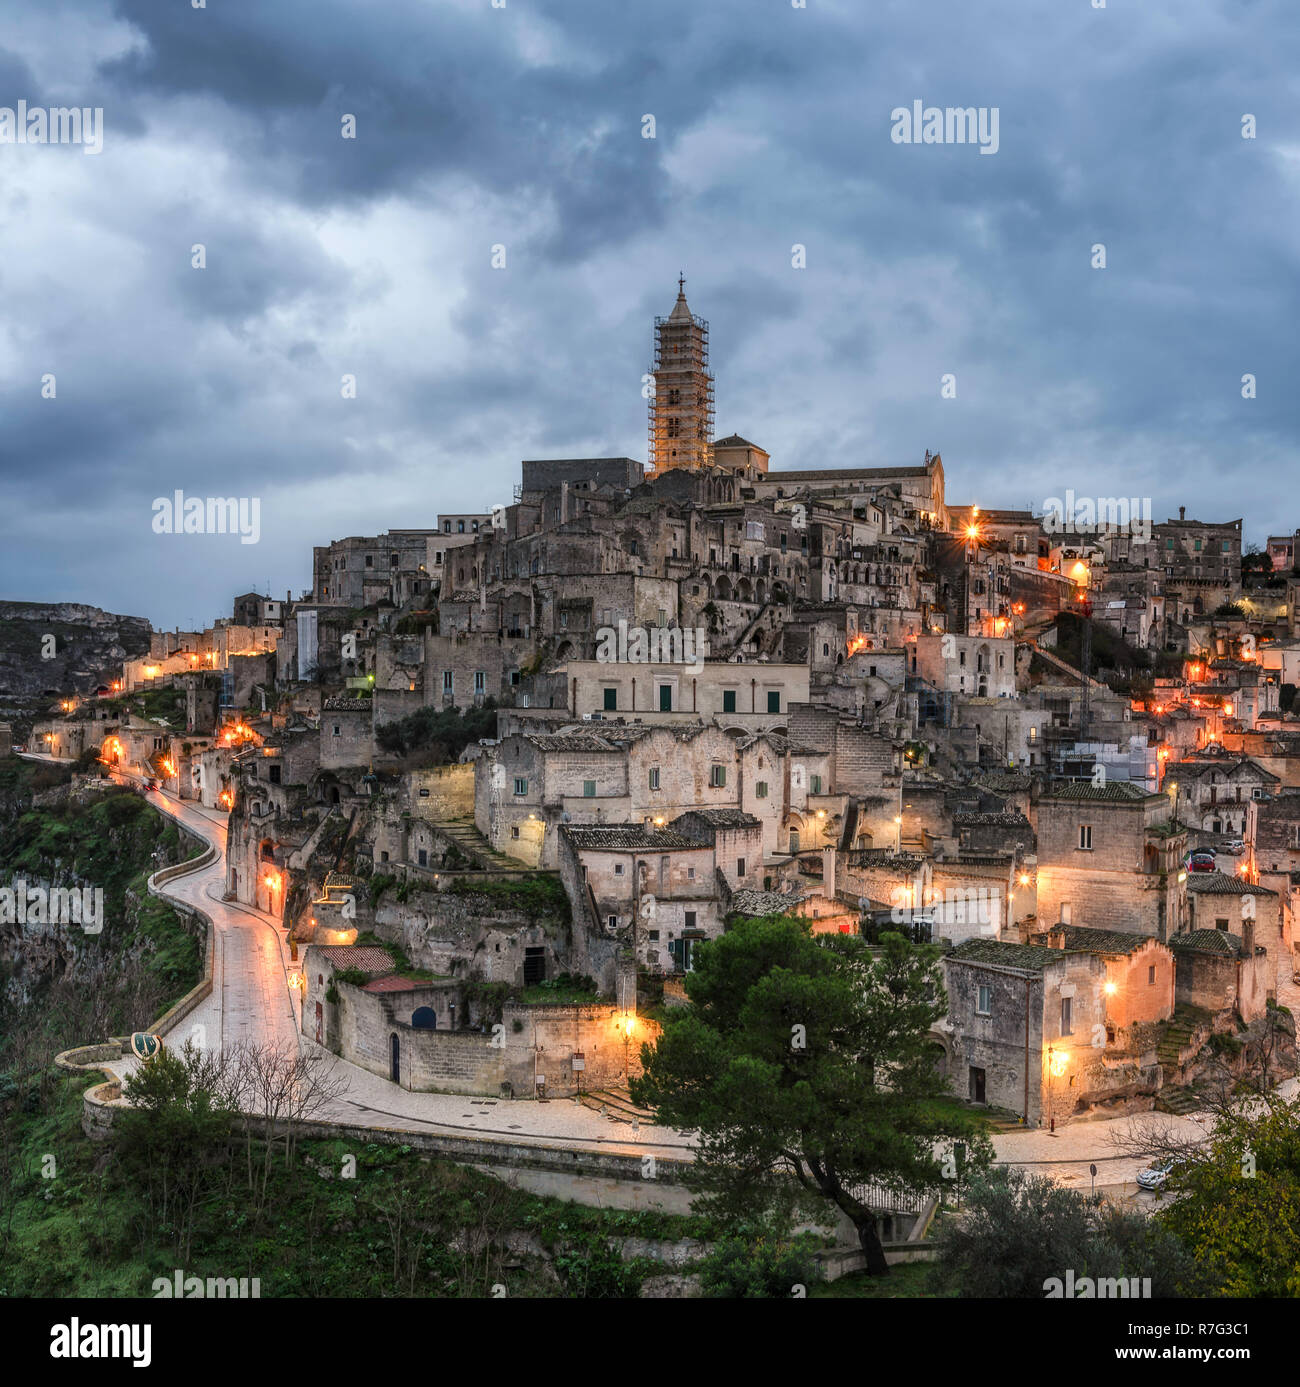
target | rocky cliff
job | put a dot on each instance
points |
(87, 645)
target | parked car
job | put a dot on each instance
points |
(1157, 1173)
(152, 784)
(1201, 862)
(1236, 847)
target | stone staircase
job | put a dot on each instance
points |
(476, 847)
(616, 1104)
(1176, 1037)
(1180, 1101)
(1066, 668)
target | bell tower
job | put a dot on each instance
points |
(681, 407)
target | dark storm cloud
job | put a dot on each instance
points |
(522, 127)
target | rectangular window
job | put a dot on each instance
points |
(521, 785)
(514, 833)
(612, 922)
(1066, 911)
(760, 789)
(589, 789)
(665, 698)
(690, 874)
(480, 681)
(1085, 837)
(728, 700)
(1067, 1015)
(618, 869)
(611, 700)
(773, 701)
(815, 784)
(1151, 975)
(422, 857)
(740, 866)
(983, 1000)
(654, 777)
(446, 681)
(717, 775)
(689, 917)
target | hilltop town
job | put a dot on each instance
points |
(542, 753)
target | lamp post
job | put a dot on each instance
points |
(1051, 1067)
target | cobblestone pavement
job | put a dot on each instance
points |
(251, 1000)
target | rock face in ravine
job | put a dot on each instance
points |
(88, 644)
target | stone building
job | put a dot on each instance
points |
(1139, 986)
(652, 889)
(1021, 1018)
(1220, 794)
(959, 664)
(1234, 906)
(346, 734)
(1110, 857)
(744, 695)
(362, 571)
(529, 785)
(1218, 971)
(432, 1036)
(1201, 562)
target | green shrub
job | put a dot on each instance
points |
(537, 897)
(760, 1263)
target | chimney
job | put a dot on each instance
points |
(1248, 938)
(1182, 512)
(828, 872)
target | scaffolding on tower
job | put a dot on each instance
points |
(681, 401)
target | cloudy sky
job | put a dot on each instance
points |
(522, 126)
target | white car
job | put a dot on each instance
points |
(1236, 847)
(1157, 1173)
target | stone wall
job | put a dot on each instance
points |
(566, 1047)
